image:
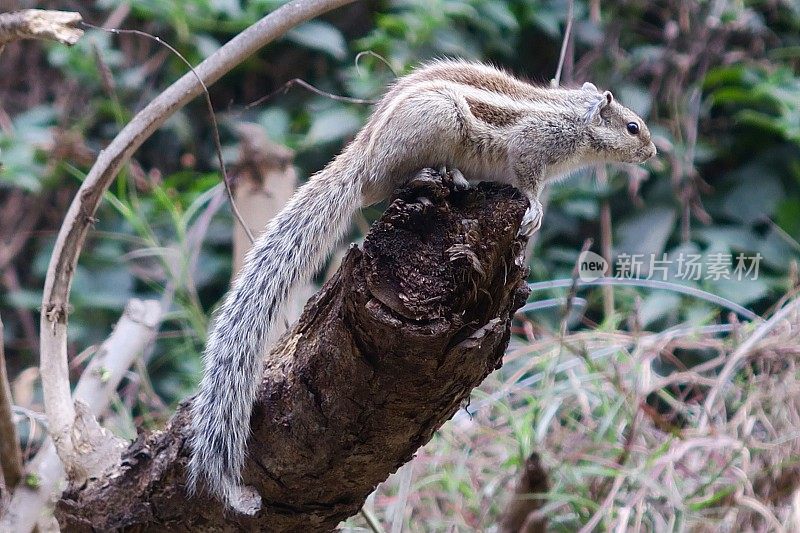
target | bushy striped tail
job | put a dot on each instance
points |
(291, 249)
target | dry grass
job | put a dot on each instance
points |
(627, 447)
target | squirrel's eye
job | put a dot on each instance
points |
(633, 128)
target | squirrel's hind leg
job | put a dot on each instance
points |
(532, 220)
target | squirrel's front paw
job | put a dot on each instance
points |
(245, 500)
(459, 181)
(532, 220)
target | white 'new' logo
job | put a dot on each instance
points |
(591, 266)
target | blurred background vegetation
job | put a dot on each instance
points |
(718, 82)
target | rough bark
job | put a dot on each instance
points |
(383, 355)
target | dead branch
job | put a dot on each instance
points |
(10, 451)
(522, 513)
(265, 180)
(383, 355)
(59, 26)
(55, 300)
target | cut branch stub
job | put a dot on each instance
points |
(60, 26)
(383, 355)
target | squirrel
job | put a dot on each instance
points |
(463, 116)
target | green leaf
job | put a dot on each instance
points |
(742, 291)
(320, 36)
(636, 98)
(500, 14)
(276, 121)
(733, 75)
(646, 232)
(713, 499)
(787, 216)
(332, 125)
(658, 305)
(755, 196)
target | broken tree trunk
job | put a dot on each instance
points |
(523, 513)
(383, 355)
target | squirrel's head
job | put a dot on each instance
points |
(614, 132)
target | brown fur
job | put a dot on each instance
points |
(494, 115)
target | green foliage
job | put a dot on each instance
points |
(758, 99)
(21, 158)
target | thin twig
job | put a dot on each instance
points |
(605, 506)
(376, 56)
(573, 289)
(650, 284)
(371, 521)
(10, 451)
(606, 239)
(564, 43)
(34, 417)
(303, 83)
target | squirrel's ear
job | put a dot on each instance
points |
(593, 108)
(588, 86)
